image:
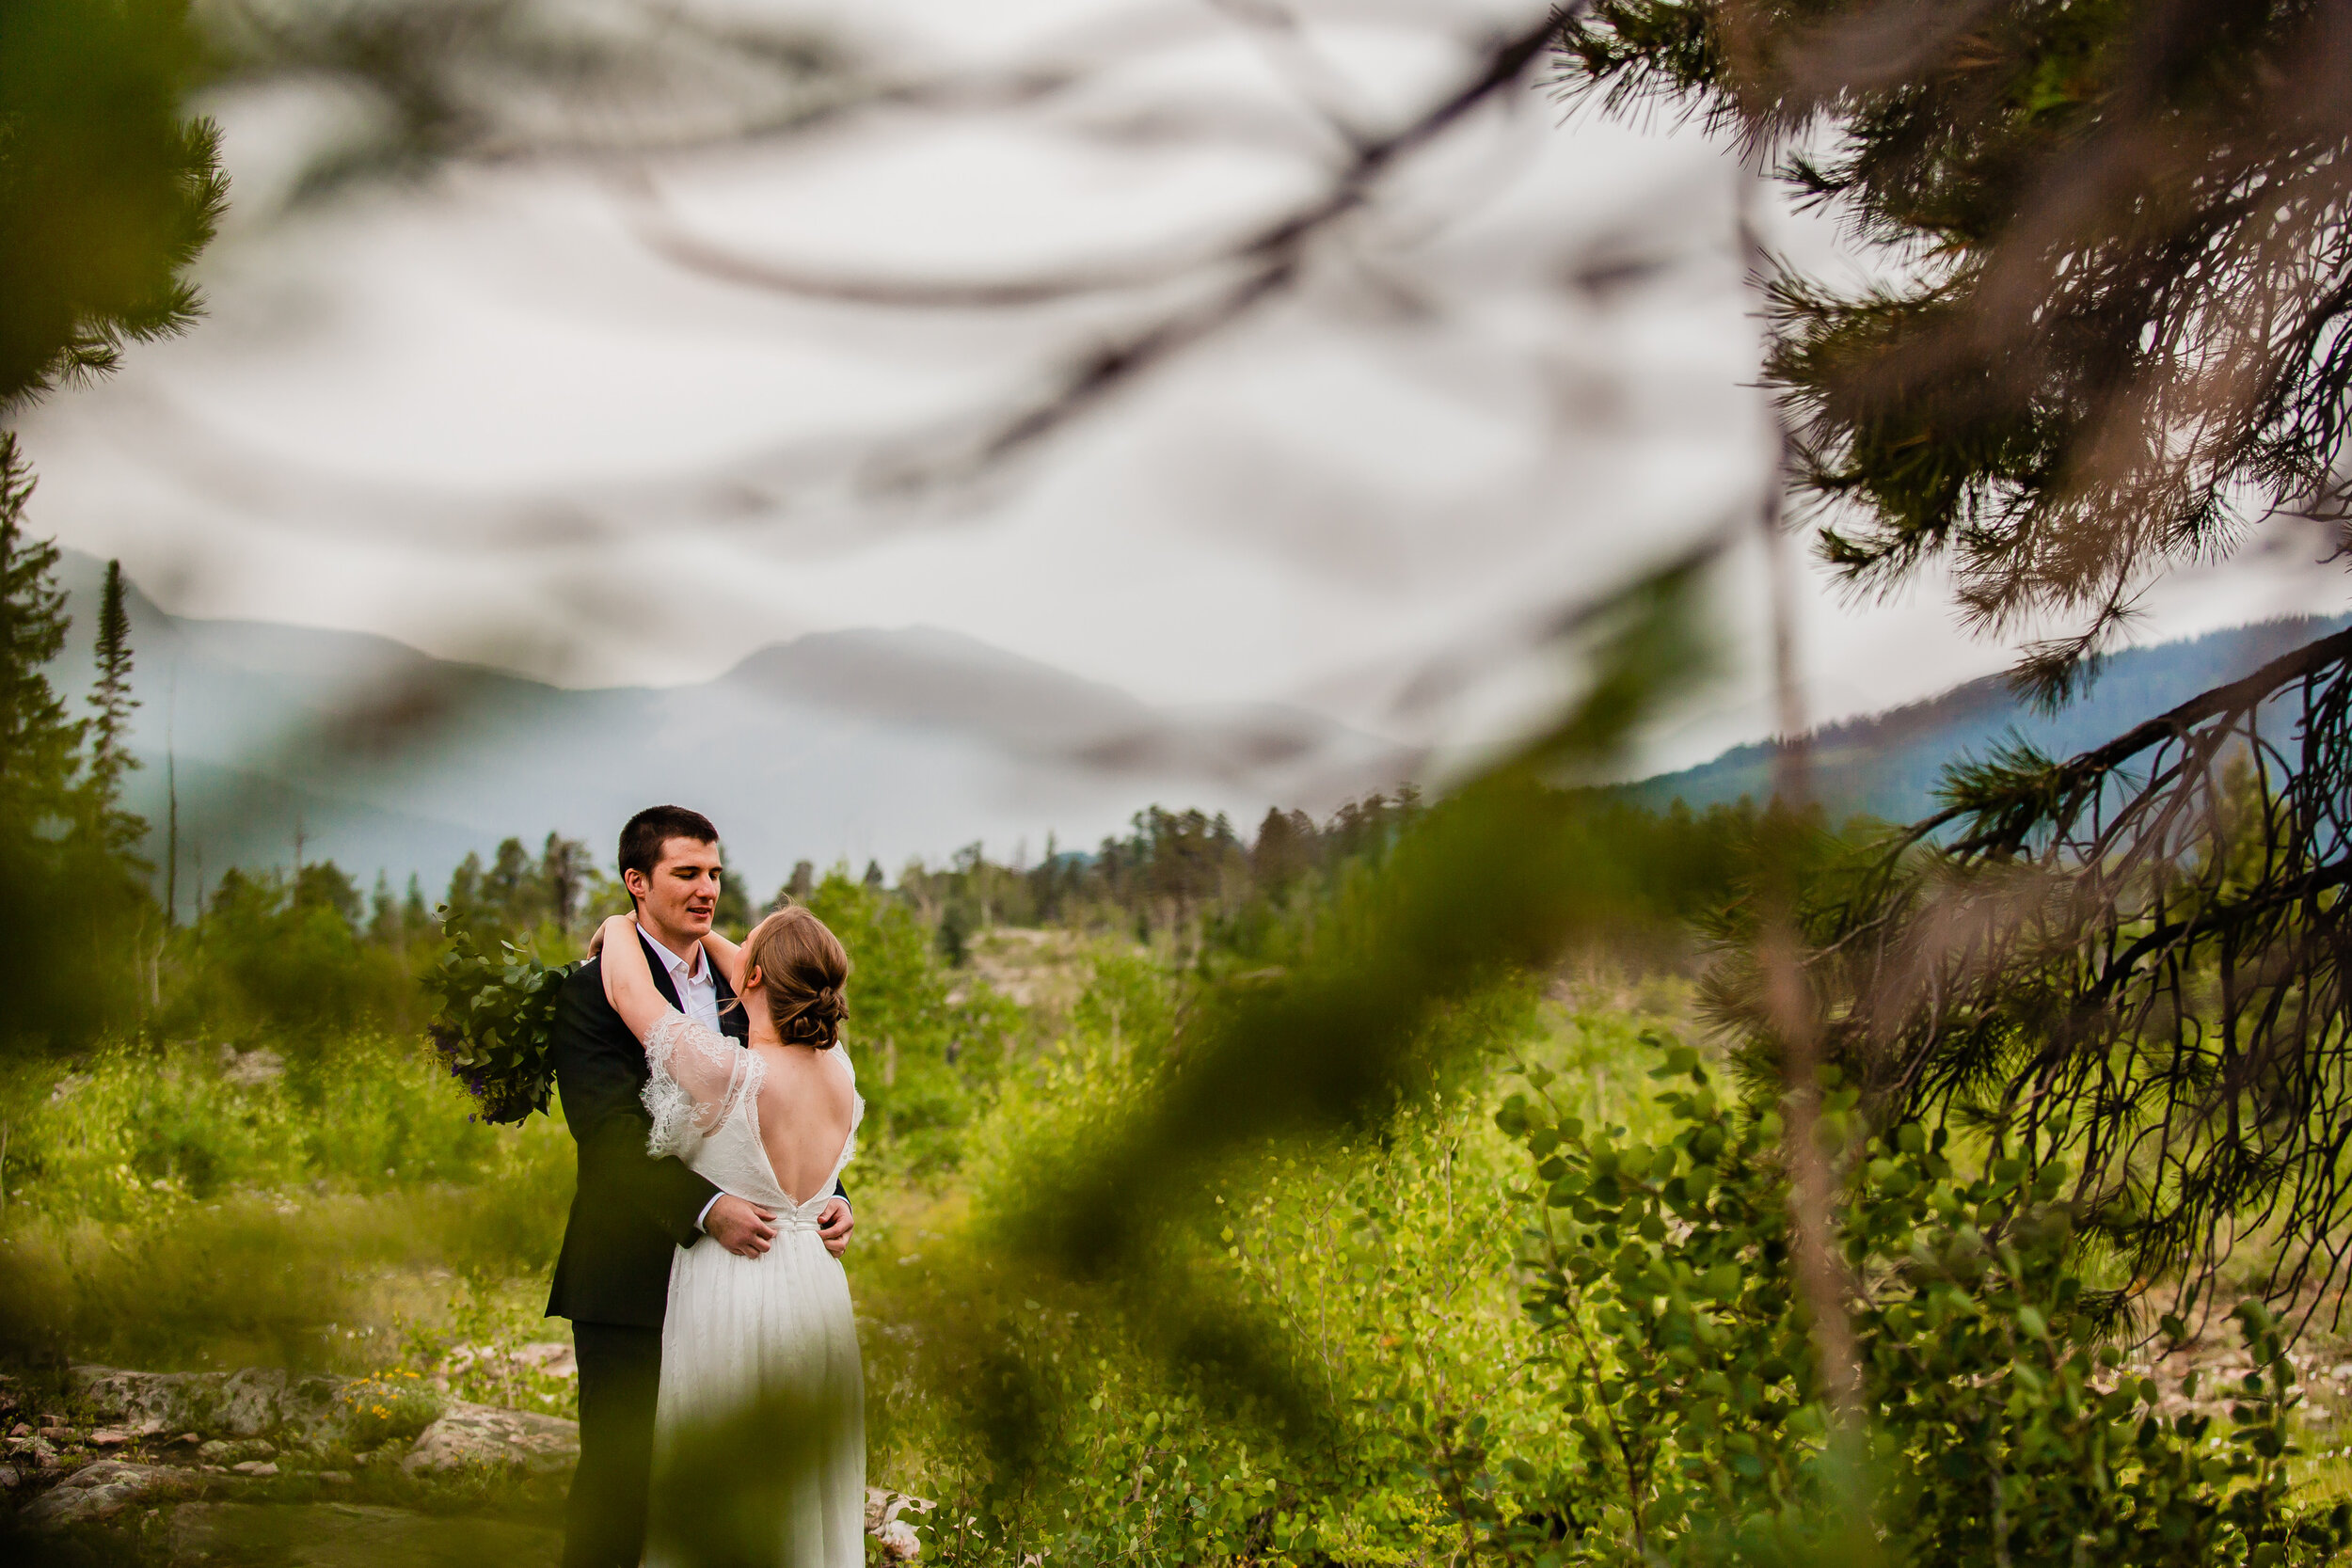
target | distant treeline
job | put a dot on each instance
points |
(293, 954)
(1189, 880)
(301, 950)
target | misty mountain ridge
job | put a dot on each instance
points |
(865, 744)
(1890, 764)
(851, 745)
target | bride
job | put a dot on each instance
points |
(759, 1436)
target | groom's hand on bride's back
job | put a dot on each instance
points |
(741, 1226)
(833, 1223)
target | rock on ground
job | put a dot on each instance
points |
(238, 1409)
(346, 1535)
(101, 1490)
(248, 1403)
(482, 1437)
(894, 1535)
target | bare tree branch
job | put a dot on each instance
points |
(1269, 261)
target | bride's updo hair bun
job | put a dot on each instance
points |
(804, 975)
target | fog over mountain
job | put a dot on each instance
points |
(861, 745)
(856, 745)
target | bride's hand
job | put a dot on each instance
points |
(596, 938)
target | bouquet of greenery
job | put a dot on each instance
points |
(495, 1024)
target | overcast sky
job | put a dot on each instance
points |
(491, 414)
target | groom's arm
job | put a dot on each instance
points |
(595, 1067)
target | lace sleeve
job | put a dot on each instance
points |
(697, 1075)
(857, 1108)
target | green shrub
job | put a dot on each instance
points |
(1376, 1266)
(388, 1406)
(160, 1211)
(131, 1130)
(286, 963)
(1997, 1421)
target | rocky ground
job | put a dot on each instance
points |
(266, 1469)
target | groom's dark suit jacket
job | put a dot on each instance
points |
(630, 1209)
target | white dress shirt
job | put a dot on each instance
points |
(697, 987)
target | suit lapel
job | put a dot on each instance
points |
(660, 972)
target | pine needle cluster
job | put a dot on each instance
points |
(2123, 329)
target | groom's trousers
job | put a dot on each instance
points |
(620, 1376)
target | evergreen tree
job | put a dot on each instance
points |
(465, 902)
(39, 743)
(511, 889)
(107, 189)
(384, 923)
(1285, 850)
(564, 867)
(107, 192)
(2125, 329)
(324, 885)
(109, 734)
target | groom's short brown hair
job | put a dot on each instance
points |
(650, 829)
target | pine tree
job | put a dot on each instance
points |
(37, 741)
(108, 188)
(2125, 325)
(109, 733)
(564, 867)
(107, 192)
(384, 928)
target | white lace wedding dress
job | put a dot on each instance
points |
(769, 1337)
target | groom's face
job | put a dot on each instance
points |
(680, 896)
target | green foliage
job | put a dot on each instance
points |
(1381, 1263)
(1997, 1421)
(495, 1024)
(2104, 355)
(472, 1346)
(168, 1205)
(134, 1131)
(107, 190)
(387, 1405)
(926, 1054)
(284, 961)
(546, 904)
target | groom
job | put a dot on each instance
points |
(631, 1210)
